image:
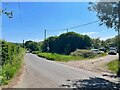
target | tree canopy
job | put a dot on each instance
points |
(66, 43)
(32, 46)
(108, 13)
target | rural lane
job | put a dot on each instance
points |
(42, 73)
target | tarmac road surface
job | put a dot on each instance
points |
(42, 73)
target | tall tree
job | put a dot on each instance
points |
(32, 46)
(66, 43)
(96, 43)
(109, 14)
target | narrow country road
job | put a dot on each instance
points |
(41, 73)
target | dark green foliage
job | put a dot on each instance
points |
(32, 46)
(11, 56)
(49, 42)
(107, 12)
(66, 43)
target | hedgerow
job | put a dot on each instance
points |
(10, 60)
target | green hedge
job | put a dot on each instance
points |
(11, 59)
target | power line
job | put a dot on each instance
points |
(74, 26)
(84, 24)
(67, 29)
(45, 32)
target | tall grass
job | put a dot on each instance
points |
(113, 66)
(64, 58)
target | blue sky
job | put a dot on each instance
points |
(38, 16)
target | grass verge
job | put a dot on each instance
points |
(59, 57)
(113, 66)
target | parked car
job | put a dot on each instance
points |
(112, 51)
(113, 48)
(96, 51)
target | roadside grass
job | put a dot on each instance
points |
(59, 57)
(113, 66)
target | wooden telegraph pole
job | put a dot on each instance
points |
(45, 33)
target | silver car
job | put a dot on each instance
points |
(96, 51)
(112, 51)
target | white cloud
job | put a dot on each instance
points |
(35, 40)
(106, 38)
(90, 33)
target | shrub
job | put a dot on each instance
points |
(66, 43)
(83, 53)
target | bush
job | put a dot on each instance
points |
(83, 53)
(66, 43)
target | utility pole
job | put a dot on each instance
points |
(23, 44)
(47, 47)
(45, 32)
(67, 30)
